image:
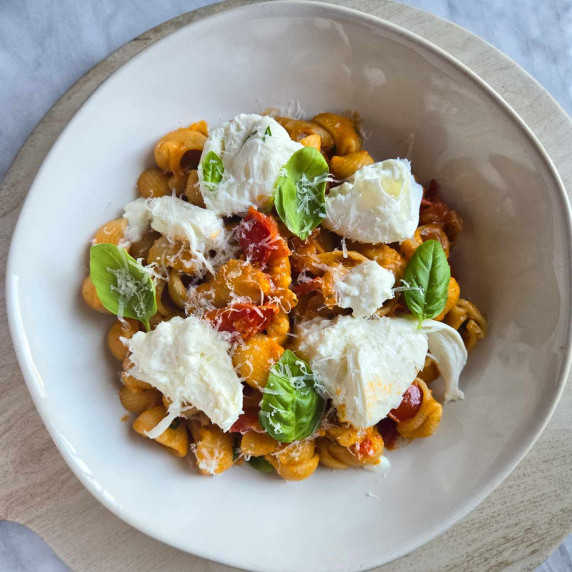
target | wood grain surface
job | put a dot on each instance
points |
(514, 529)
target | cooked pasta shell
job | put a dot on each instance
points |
(171, 150)
(343, 167)
(91, 298)
(253, 359)
(257, 444)
(453, 294)
(343, 131)
(153, 183)
(192, 190)
(313, 140)
(213, 449)
(299, 129)
(138, 400)
(125, 328)
(111, 232)
(175, 438)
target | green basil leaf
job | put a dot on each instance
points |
(260, 464)
(212, 169)
(291, 408)
(300, 191)
(267, 133)
(124, 287)
(427, 276)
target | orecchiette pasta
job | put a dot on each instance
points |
(166, 306)
(423, 233)
(279, 328)
(430, 371)
(384, 255)
(351, 447)
(192, 191)
(177, 289)
(172, 254)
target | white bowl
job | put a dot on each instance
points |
(513, 260)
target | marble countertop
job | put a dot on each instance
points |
(46, 47)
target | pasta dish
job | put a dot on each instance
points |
(281, 299)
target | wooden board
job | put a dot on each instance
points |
(514, 529)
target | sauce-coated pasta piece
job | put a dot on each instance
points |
(253, 359)
(112, 232)
(175, 438)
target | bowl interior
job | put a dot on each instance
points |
(512, 260)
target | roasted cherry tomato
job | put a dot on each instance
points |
(307, 286)
(433, 209)
(247, 421)
(245, 320)
(260, 239)
(409, 405)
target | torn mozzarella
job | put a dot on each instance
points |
(378, 204)
(253, 150)
(188, 361)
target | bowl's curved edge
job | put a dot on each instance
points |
(33, 381)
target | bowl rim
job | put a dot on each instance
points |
(304, 8)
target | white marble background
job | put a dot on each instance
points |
(47, 45)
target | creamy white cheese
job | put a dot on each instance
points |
(253, 150)
(189, 362)
(378, 204)
(365, 366)
(447, 347)
(364, 289)
(179, 220)
(138, 220)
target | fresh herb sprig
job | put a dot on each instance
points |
(124, 286)
(427, 276)
(291, 407)
(300, 191)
